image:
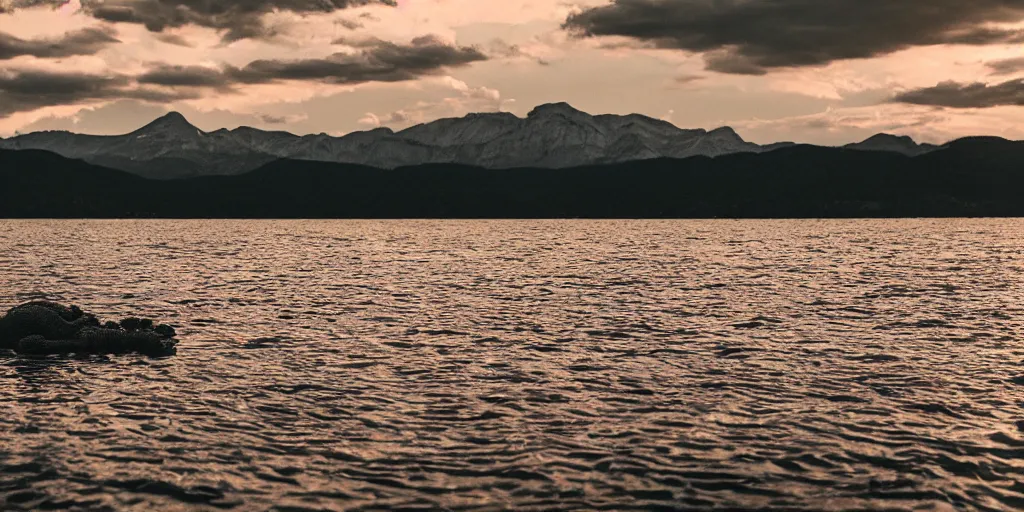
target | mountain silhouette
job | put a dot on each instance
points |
(554, 135)
(894, 143)
(978, 176)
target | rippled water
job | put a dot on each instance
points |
(434, 365)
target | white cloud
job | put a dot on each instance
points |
(466, 99)
(370, 119)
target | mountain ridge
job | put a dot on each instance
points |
(553, 135)
(973, 177)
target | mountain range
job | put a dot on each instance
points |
(551, 136)
(971, 177)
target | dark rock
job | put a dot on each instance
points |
(165, 330)
(109, 341)
(51, 321)
(67, 313)
(39, 345)
(130, 324)
(48, 328)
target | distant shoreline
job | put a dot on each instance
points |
(973, 178)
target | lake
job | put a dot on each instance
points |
(526, 365)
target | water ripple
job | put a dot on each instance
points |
(533, 365)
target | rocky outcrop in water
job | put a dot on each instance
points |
(47, 328)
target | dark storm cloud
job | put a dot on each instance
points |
(22, 91)
(7, 6)
(724, 61)
(237, 19)
(376, 61)
(51, 84)
(754, 36)
(1006, 66)
(87, 41)
(184, 76)
(174, 39)
(974, 95)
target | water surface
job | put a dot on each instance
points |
(533, 365)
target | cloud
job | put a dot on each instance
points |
(730, 62)
(235, 19)
(1006, 66)
(173, 39)
(688, 79)
(474, 93)
(501, 48)
(396, 117)
(285, 119)
(867, 119)
(28, 90)
(376, 61)
(753, 37)
(7, 6)
(370, 119)
(466, 99)
(87, 41)
(185, 76)
(975, 95)
(684, 81)
(349, 24)
(373, 61)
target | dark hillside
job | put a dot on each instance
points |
(972, 177)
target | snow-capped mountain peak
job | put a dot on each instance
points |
(552, 135)
(172, 123)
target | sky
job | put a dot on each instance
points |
(816, 71)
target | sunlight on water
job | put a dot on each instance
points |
(541, 365)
